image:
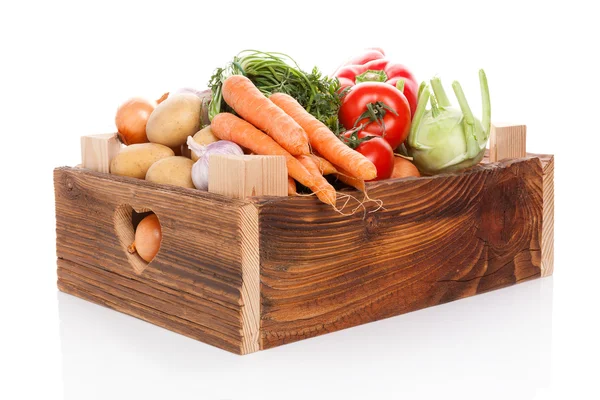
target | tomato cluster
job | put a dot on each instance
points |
(377, 102)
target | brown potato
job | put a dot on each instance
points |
(175, 170)
(173, 120)
(135, 159)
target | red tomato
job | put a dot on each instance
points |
(360, 96)
(379, 152)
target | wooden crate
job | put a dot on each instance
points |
(247, 275)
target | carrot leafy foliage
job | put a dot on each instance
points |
(277, 72)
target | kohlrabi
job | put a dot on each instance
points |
(444, 138)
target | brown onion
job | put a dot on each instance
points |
(131, 120)
(147, 238)
(404, 168)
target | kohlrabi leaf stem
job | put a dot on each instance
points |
(421, 87)
(486, 108)
(462, 101)
(435, 109)
(440, 93)
(468, 121)
(400, 85)
(419, 113)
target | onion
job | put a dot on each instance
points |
(147, 238)
(200, 168)
(131, 120)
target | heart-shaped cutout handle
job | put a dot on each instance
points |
(126, 219)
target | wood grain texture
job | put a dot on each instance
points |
(250, 279)
(97, 151)
(439, 239)
(548, 223)
(242, 176)
(199, 262)
(508, 141)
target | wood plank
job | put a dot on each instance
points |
(548, 222)
(227, 321)
(97, 151)
(507, 141)
(438, 239)
(143, 312)
(243, 176)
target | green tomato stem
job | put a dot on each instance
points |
(486, 108)
(372, 76)
(440, 93)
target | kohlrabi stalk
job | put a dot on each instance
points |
(439, 92)
(444, 138)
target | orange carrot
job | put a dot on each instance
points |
(322, 185)
(324, 166)
(324, 141)
(241, 94)
(355, 183)
(291, 186)
(227, 126)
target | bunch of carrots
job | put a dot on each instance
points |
(279, 125)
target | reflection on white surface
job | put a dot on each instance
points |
(492, 346)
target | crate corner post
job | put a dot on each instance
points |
(508, 141)
(243, 176)
(97, 151)
(548, 219)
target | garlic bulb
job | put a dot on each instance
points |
(200, 168)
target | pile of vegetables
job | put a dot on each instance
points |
(369, 121)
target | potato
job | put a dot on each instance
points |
(175, 170)
(173, 120)
(204, 137)
(135, 159)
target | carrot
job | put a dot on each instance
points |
(291, 186)
(241, 94)
(227, 126)
(350, 181)
(324, 166)
(324, 141)
(322, 185)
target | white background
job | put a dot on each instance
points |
(65, 67)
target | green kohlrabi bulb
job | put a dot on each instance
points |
(447, 139)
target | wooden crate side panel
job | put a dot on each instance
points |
(439, 239)
(134, 298)
(199, 262)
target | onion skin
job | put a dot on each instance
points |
(148, 236)
(131, 120)
(404, 168)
